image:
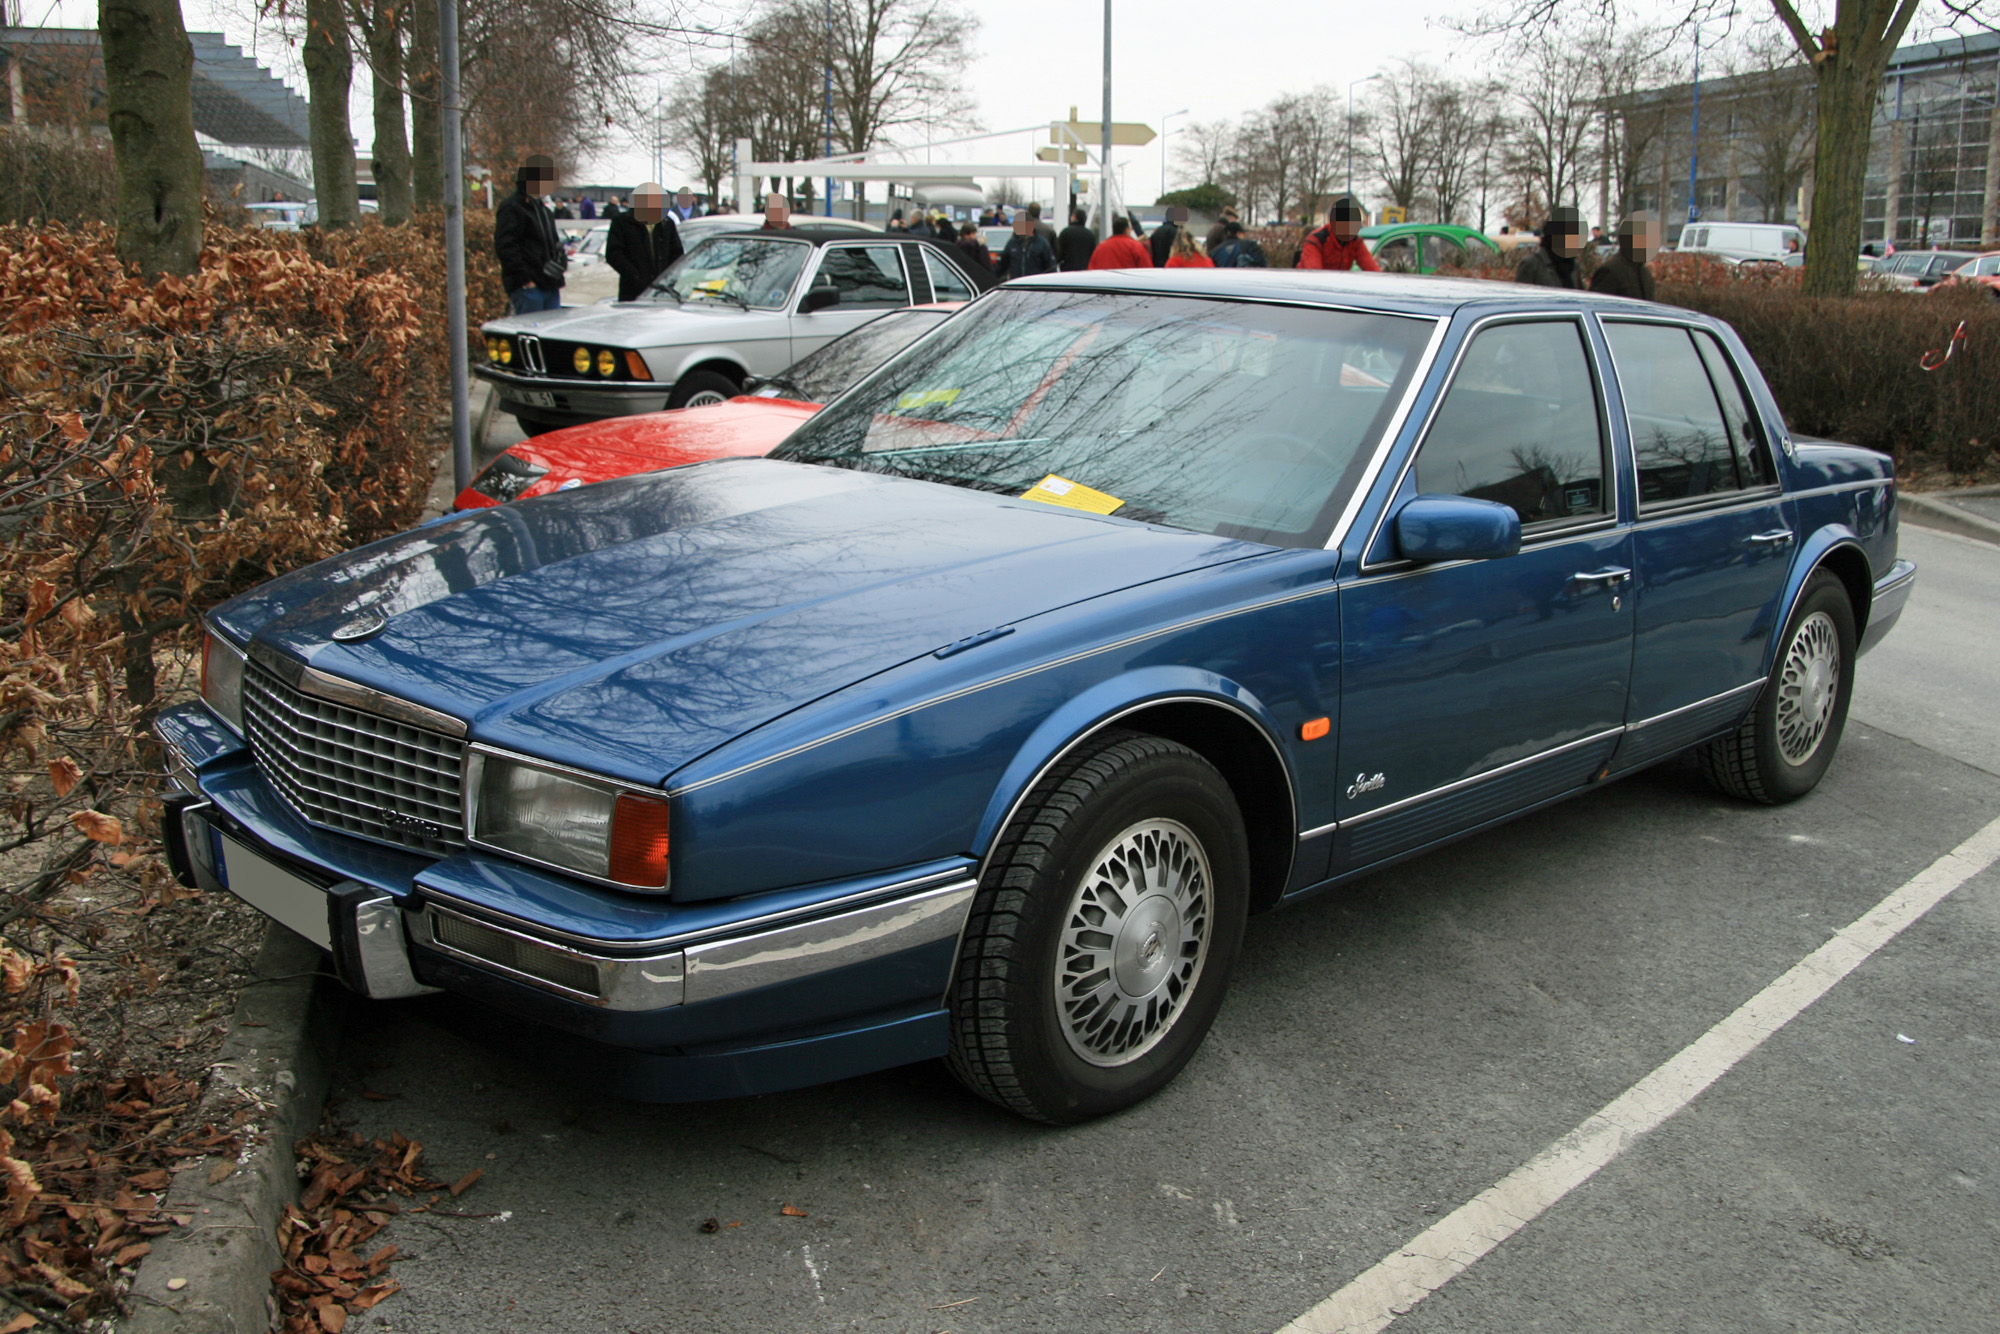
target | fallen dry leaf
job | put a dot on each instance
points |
(223, 1167)
(19, 1323)
(99, 827)
(464, 1183)
(790, 1212)
(64, 775)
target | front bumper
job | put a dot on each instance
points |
(699, 1000)
(572, 402)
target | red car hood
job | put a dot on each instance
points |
(622, 445)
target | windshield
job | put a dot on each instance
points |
(1231, 418)
(822, 376)
(734, 270)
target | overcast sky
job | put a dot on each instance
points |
(1038, 58)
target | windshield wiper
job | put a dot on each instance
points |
(666, 289)
(783, 381)
(723, 294)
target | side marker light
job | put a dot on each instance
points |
(1314, 730)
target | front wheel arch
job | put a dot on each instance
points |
(1226, 726)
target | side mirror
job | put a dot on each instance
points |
(1440, 528)
(819, 297)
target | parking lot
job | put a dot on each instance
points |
(1387, 1053)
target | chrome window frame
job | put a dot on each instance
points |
(1656, 515)
(857, 243)
(474, 773)
(1545, 533)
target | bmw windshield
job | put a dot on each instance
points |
(1224, 417)
(746, 271)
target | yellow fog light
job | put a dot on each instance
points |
(606, 363)
(506, 352)
(492, 348)
(581, 361)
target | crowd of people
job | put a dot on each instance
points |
(644, 239)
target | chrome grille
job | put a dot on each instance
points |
(353, 771)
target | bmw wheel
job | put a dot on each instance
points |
(699, 389)
(1781, 751)
(1101, 941)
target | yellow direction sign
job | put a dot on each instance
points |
(1124, 133)
(1074, 157)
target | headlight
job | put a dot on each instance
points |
(506, 350)
(492, 348)
(606, 363)
(569, 821)
(581, 360)
(222, 679)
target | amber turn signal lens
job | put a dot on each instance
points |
(636, 365)
(1314, 730)
(606, 363)
(581, 360)
(639, 841)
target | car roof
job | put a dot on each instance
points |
(1403, 294)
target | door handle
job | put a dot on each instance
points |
(1779, 537)
(1613, 576)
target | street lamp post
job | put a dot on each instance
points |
(1163, 146)
(1350, 126)
(1104, 147)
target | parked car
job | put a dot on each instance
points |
(1738, 241)
(584, 242)
(749, 424)
(1914, 270)
(738, 303)
(1425, 247)
(281, 215)
(975, 720)
(1982, 271)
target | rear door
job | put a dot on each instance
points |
(1713, 542)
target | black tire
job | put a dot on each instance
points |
(706, 386)
(1011, 1040)
(1775, 756)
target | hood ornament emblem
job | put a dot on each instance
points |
(369, 622)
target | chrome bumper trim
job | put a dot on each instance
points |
(383, 954)
(709, 971)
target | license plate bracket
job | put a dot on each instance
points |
(290, 900)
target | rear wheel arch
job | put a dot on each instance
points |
(1850, 563)
(1836, 550)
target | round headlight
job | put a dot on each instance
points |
(506, 352)
(606, 363)
(492, 348)
(581, 360)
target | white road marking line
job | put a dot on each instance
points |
(1455, 1243)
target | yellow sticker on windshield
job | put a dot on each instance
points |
(1054, 490)
(711, 285)
(923, 398)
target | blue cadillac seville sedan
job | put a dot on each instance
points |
(975, 720)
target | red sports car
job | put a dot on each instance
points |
(751, 423)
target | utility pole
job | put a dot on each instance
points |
(1350, 127)
(1104, 161)
(829, 102)
(454, 244)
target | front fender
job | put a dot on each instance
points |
(670, 364)
(1101, 706)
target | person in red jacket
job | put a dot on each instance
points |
(1338, 245)
(1119, 250)
(1186, 254)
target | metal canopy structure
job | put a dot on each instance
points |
(237, 101)
(941, 176)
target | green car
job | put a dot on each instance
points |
(1425, 247)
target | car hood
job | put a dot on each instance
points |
(635, 324)
(632, 626)
(621, 445)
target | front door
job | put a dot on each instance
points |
(870, 279)
(1713, 545)
(1471, 690)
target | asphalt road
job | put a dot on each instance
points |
(1386, 1054)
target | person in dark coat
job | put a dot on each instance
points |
(532, 261)
(1076, 244)
(1027, 254)
(973, 248)
(643, 241)
(1553, 262)
(1237, 251)
(1626, 273)
(1042, 229)
(1162, 242)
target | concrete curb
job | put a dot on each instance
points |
(279, 1053)
(1936, 510)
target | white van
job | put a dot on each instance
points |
(1740, 240)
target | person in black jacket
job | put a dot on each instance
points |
(1163, 236)
(1027, 254)
(643, 241)
(532, 261)
(1553, 262)
(1076, 244)
(1626, 273)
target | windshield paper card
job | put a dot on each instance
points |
(1054, 490)
(924, 398)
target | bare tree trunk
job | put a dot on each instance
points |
(1846, 118)
(392, 149)
(148, 76)
(329, 62)
(1989, 226)
(426, 119)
